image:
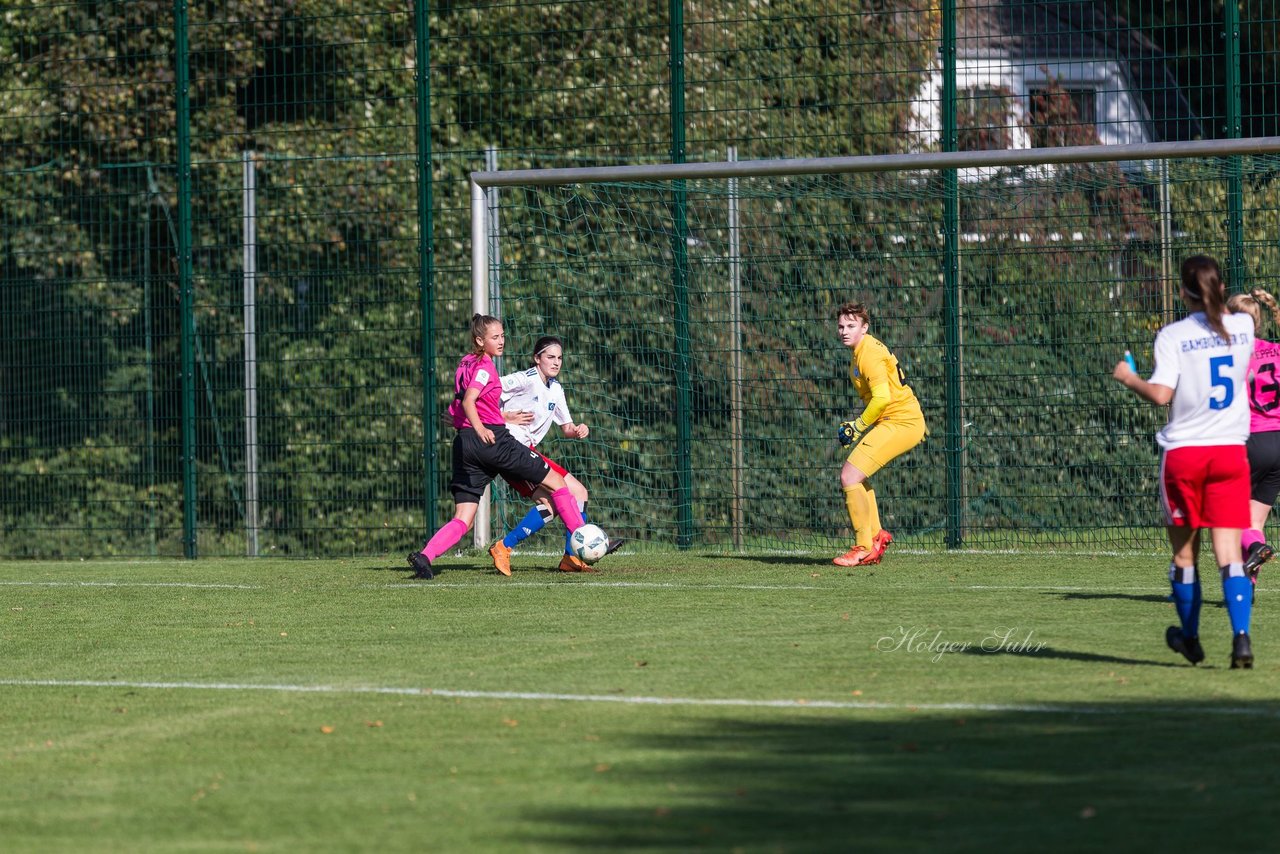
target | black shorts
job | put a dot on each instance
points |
(1264, 466)
(475, 463)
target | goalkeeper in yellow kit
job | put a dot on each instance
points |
(891, 424)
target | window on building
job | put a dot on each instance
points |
(1063, 115)
(983, 119)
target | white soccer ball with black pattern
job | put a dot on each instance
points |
(589, 543)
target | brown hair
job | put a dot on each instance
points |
(854, 309)
(1202, 282)
(544, 342)
(1252, 303)
(480, 324)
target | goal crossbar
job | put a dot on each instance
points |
(879, 162)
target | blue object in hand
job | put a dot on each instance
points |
(1128, 357)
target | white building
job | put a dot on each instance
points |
(1011, 55)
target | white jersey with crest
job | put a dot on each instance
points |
(1207, 374)
(525, 391)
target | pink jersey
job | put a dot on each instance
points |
(477, 372)
(1264, 387)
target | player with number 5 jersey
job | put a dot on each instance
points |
(1200, 367)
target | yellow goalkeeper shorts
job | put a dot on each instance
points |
(884, 442)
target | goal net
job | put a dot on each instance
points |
(698, 316)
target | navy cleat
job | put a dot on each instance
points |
(1188, 648)
(421, 566)
(1258, 554)
(615, 543)
(1241, 652)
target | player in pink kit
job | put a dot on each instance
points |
(484, 449)
(1264, 430)
(1200, 366)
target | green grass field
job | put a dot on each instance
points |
(940, 702)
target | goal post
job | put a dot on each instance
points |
(1048, 238)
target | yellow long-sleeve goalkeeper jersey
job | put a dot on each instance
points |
(881, 383)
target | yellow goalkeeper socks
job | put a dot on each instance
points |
(861, 506)
(874, 518)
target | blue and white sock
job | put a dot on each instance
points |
(1237, 593)
(533, 522)
(1185, 582)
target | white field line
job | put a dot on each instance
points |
(643, 585)
(579, 585)
(192, 586)
(822, 554)
(537, 696)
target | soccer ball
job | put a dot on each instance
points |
(589, 543)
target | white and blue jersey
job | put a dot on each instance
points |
(525, 391)
(1207, 374)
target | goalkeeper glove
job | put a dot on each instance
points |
(851, 431)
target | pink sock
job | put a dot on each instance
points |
(567, 508)
(444, 539)
(1250, 536)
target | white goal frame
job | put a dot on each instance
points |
(485, 183)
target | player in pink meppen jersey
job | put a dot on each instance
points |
(1264, 430)
(483, 448)
(1200, 366)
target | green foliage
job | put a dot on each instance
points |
(325, 99)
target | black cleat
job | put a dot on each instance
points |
(615, 543)
(1241, 652)
(421, 566)
(1259, 553)
(1188, 648)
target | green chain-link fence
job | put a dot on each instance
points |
(235, 256)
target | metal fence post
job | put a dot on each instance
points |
(680, 289)
(249, 178)
(426, 265)
(1235, 181)
(186, 276)
(954, 441)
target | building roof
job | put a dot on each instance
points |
(1081, 30)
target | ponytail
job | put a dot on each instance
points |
(1202, 283)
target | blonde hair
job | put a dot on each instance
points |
(480, 324)
(1252, 304)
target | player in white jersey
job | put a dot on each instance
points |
(1200, 365)
(532, 401)
(543, 398)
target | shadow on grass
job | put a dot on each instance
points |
(1067, 655)
(1107, 777)
(783, 560)
(1126, 597)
